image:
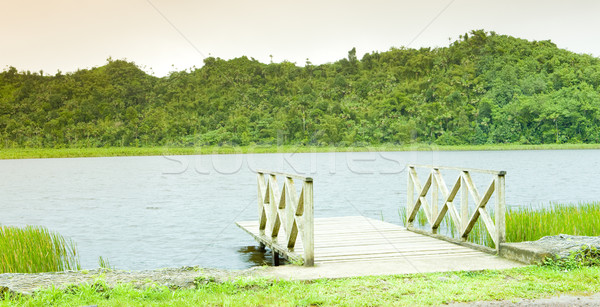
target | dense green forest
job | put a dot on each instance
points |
(484, 88)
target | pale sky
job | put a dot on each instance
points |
(161, 35)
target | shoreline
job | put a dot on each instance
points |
(45, 153)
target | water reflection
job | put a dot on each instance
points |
(256, 256)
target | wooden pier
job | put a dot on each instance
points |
(362, 239)
(287, 225)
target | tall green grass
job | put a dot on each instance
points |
(532, 223)
(34, 249)
(527, 223)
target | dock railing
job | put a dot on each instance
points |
(286, 208)
(464, 219)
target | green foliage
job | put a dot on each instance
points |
(35, 249)
(202, 281)
(482, 89)
(585, 257)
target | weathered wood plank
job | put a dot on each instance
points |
(372, 253)
(262, 195)
(421, 200)
(386, 257)
(291, 226)
(273, 222)
(413, 207)
(487, 220)
(381, 248)
(471, 187)
(480, 205)
(464, 204)
(448, 202)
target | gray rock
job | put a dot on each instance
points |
(560, 246)
(563, 245)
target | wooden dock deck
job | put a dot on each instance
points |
(362, 239)
(286, 225)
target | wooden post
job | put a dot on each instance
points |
(500, 210)
(260, 177)
(434, 200)
(410, 197)
(464, 205)
(309, 228)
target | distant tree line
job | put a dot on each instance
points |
(482, 89)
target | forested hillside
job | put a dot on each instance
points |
(483, 88)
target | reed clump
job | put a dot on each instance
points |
(532, 223)
(35, 249)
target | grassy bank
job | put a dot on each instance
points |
(404, 290)
(35, 249)
(28, 153)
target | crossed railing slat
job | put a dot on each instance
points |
(464, 220)
(286, 210)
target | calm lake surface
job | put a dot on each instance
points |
(170, 211)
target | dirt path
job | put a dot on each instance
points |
(563, 300)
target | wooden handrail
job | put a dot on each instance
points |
(285, 207)
(464, 220)
(287, 175)
(471, 170)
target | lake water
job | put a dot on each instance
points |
(170, 211)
